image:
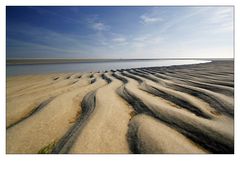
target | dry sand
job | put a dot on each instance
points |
(177, 109)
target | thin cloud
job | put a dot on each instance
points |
(154, 32)
(222, 19)
(150, 20)
(96, 24)
(147, 40)
(119, 40)
(100, 26)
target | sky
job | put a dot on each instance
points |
(119, 32)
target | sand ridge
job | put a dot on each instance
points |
(176, 109)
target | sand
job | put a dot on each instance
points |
(176, 109)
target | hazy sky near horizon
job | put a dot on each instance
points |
(119, 32)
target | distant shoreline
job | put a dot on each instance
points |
(59, 61)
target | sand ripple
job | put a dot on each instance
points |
(176, 109)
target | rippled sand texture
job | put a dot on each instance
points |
(177, 109)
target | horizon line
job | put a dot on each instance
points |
(16, 61)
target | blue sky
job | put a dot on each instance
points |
(119, 32)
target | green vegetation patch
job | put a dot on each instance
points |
(47, 149)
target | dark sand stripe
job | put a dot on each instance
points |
(88, 105)
(34, 111)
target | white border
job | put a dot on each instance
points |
(117, 162)
(120, 2)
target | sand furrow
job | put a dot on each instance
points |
(148, 135)
(105, 131)
(221, 103)
(213, 87)
(107, 79)
(207, 134)
(19, 85)
(59, 84)
(65, 143)
(186, 101)
(171, 109)
(179, 102)
(218, 101)
(124, 80)
(206, 79)
(50, 124)
(35, 110)
(28, 102)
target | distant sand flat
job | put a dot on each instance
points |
(176, 109)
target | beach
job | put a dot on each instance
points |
(174, 109)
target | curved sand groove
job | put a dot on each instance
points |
(65, 143)
(106, 129)
(208, 134)
(19, 83)
(45, 86)
(202, 78)
(148, 135)
(139, 80)
(188, 80)
(35, 80)
(41, 88)
(144, 75)
(54, 84)
(52, 122)
(107, 79)
(42, 84)
(201, 72)
(149, 77)
(124, 80)
(187, 101)
(216, 88)
(205, 79)
(221, 102)
(215, 82)
(181, 102)
(28, 102)
(175, 109)
(34, 111)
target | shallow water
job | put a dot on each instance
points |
(13, 70)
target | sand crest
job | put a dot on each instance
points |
(176, 109)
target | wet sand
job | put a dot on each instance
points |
(176, 109)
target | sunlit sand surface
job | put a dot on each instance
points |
(176, 109)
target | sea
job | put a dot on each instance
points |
(30, 69)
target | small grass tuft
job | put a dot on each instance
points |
(47, 149)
